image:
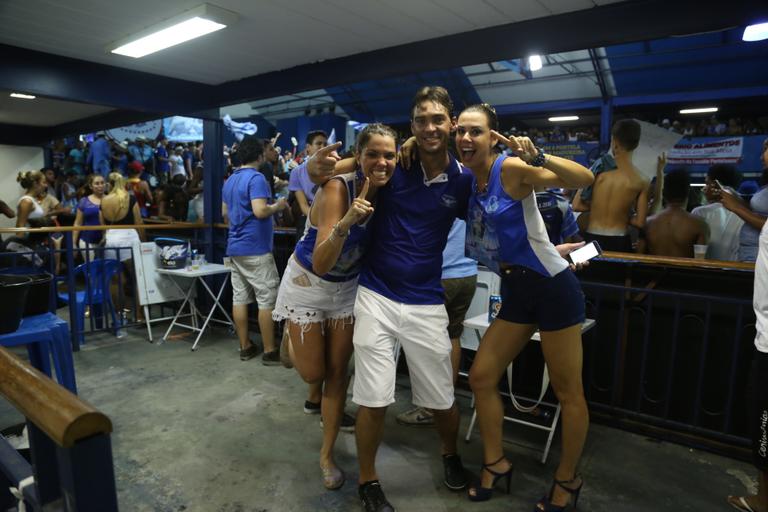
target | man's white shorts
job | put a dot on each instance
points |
(422, 331)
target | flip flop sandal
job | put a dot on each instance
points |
(740, 503)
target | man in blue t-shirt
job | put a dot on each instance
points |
(163, 166)
(400, 298)
(247, 205)
(99, 156)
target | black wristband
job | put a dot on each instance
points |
(540, 159)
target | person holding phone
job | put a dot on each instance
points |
(507, 233)
(317, 292)
(754, 213)
(724, 225)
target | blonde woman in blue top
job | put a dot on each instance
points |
(506, 232)
(317, 292)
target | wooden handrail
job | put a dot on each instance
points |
(148, 226)
(679, 262)
(277, 229)
(625, 256)
(61, 415)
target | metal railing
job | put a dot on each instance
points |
(673, 360)
(71, 453)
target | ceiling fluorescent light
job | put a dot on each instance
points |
(563, 118)
(534, 62)
(22, 96)
(756, 32)
(702, 110)
(191, 24)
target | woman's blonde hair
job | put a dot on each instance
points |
(28, 178)
(117, 188)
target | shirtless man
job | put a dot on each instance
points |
(674, 231)
(616, 193)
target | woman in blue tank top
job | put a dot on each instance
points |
(506, 232)
(317, 292)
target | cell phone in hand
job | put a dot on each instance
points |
(718, 185)
(586, 253)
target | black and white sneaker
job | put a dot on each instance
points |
(455, 475)
(311, 407)
(373, 499)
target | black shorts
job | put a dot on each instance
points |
(757, 399)
(552, 303)
(616, 243)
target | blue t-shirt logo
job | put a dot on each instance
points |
(448, 201)
(493, 204)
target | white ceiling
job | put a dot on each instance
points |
(564, 76)
(43, 111)
(270, 35)
(282, 107)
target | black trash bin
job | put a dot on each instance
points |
(39, 295)
(13, 294)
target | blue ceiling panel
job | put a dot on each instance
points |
(389, 100)
(704, 61)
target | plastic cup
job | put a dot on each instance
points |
(699, 251)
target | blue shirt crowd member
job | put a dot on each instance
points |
(163, 166)
(455, 263)
(99, 156)
(558, 216)
(77, 157)
(409, 231)
(248, 235)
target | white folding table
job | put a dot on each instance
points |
(479, 324)
(196, 276)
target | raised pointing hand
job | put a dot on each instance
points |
(322, 163)
(523, 147)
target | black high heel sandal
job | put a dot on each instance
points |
(545, 504)
(484, 493)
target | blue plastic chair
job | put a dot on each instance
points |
(61, 346)
(46, 337)
(98, 275)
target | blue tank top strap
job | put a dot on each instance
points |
(347, 266)
(494, 180)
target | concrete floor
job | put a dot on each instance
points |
(206, 432)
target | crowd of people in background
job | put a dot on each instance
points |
(716, 126)
(622, 211)
(705, 127)
(504, 180)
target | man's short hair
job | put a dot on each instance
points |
(311, 136)
(677, 183)
(249, 150)
(726, 174)
(433, 93)
(627, 133)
